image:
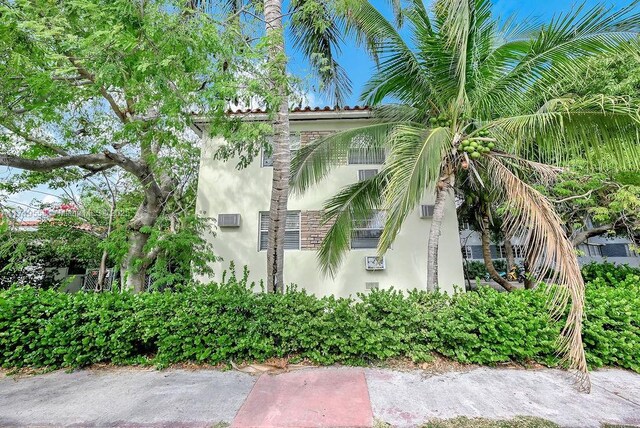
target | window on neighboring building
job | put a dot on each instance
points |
(366, 233)
(467, 253)
(361, 152)
(591, 250)
(291, 234)
(294, 144)
(465, 225)
(519, 251)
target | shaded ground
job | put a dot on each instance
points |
(205, 398)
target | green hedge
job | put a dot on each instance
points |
(217, 323)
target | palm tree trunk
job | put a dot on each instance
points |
(508, 249)
(486, 255)
(443, 189)
(277, 62)
(528, 281)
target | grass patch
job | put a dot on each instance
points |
(517, 422)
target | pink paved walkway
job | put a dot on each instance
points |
(308, 398)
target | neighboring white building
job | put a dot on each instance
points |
(241, 198)
(597, 249)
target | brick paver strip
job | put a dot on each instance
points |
(308, 398)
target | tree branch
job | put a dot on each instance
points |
(107, 96)
(44, 165)
(581, 237)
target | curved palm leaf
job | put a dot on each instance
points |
(354, 202)
(315, 160)
(566, 128)
(559, 48)
(530, 214)
(413, 167)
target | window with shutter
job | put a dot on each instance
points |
(291, 233)
(365, 174)
(361, 152)
(294, 145)
(366, 233)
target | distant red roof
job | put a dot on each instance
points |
(303, 109)
(35, 223)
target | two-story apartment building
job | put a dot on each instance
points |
(239, 201)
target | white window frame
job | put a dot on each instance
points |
(377, 218)
(467, 252)
(519, 251)
(294, 146)
(591, 250)
(263, 229)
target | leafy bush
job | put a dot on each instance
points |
(611, 273)
(219, 322)
(475, 269)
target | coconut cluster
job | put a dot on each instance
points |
(475, 148)
(441, 121)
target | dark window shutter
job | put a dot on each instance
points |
(476, 252)
(494, 251)
(614, 250)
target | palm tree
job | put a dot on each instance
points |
(466, 99)
(315, 32)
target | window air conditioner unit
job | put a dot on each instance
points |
(426, 211)
(374, 263)
(229, 220)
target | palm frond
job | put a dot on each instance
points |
(559, 48)
(456, 27)
(531, 215)
(315, 30)
(315, 160)
(399, 71)
(566, 128)
(353, 203)
(413, 167)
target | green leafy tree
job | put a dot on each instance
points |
(464, 89)
(594, 204)
(607, 201)
(88, 86)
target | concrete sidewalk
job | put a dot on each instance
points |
(312, 398)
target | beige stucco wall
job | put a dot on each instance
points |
(224, 189)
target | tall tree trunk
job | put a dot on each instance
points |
(277, 62)
(528, 281)
(434, 236)
(443, 191)
(102, 270)
(508, 249)
(136, 263)
(486, 255)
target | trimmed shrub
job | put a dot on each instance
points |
(217, 323)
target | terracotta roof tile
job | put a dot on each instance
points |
(303, 109)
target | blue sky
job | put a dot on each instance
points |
(359, 66)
